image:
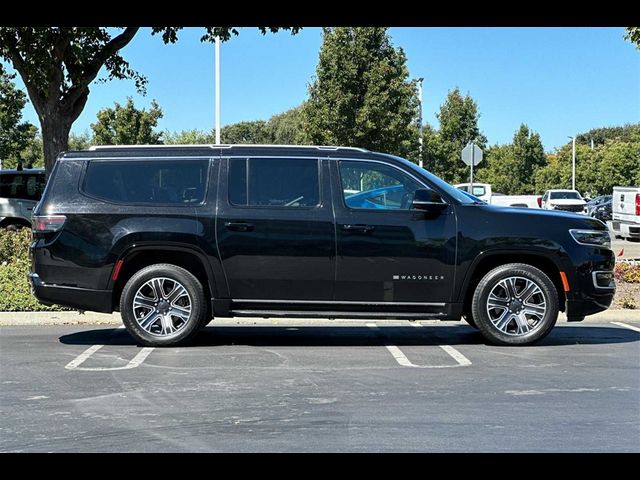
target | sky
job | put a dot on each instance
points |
(559, 81)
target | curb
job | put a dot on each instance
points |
(92, 318)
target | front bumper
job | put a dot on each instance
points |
(73, 297)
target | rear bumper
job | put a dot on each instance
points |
(73, 297)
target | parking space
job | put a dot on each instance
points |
(388, 386)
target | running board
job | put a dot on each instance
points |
(338, 314)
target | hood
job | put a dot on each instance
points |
(540, 216)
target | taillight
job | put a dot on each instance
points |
(637, 203)
(48, 223)
(540, 202)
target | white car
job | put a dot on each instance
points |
(566, 200)
(20, 191)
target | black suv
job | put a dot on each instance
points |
(173, 236)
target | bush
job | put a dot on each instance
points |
(15, 292)
(627, 272)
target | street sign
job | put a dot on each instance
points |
(472, 154)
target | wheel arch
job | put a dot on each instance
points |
(138, 257)
(487, 262)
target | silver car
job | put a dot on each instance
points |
(20, 191)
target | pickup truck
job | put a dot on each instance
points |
(484, 192)
(565, 200)
(625, 207)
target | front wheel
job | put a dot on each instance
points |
(515, 304)
(163, 305)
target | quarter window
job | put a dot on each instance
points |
(376, 186)
(176, 181)
(274, 182)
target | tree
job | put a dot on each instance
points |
(633, 35)
(58, 64)
(244, 132)
(287, 128)
(189, 137)
(127, 125)
(15, 135)
(629, 132)
(458, 117)
(510, 168)
(362, 95)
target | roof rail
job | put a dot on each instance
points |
(207, 145)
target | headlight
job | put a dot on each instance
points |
(593, 238)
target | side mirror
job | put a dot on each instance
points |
(428, 200)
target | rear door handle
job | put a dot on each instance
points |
(358, 228)
(239, 226)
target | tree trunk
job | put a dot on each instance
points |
(55, 137)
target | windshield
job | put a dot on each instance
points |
(565, 196)
(452, 191)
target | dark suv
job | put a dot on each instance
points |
(174, 236)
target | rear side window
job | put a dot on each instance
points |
(274, 182)
(174, 182)
(28, 186)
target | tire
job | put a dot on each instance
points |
(178, 316)
(538, 307)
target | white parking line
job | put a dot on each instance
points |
(630, 327)
(402, 359)
(80, 359)
(457, 356)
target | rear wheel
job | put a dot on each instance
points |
(163, 305)
(515, 304)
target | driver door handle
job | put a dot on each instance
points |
(358, 228)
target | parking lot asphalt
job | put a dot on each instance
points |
(628, 248)
(385, 386)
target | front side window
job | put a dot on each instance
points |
(373, 185)
(175, 181)
(274, 182)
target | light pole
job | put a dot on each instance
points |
(217, 49)
(573, 163)
(420, 119)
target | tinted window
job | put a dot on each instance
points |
(274, 182)
(375, 185)
(180, 182)
(22, 185)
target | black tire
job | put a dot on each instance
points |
(186, 329)
(491, 280)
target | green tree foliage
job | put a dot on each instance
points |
(615, 163)
(244, 132)
(80, 141)
(458, 117)
(127, 125)
(362, 95)
(58, 64)
(16, 136)
(627, 133)
(633, 35)
(287, 128)
(510, 168)
(189, 137)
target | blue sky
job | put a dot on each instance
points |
(559, 81)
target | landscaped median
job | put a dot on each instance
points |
(18, 306)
